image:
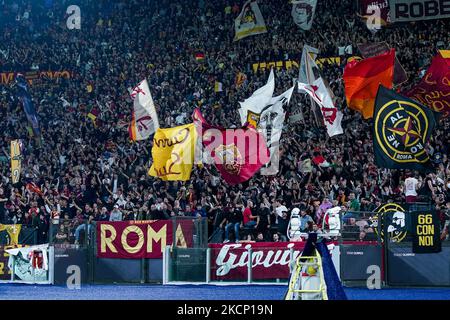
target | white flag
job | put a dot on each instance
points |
(257, 102)
(249, 22)
(320, 94)
(144, 121)
(266, 113)
(271, 121)
(308, 65)
(303, 13)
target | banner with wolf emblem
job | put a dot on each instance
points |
(249, 22)
(402, 128)
(144, 120)
(303, 13)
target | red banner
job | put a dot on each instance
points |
(141, 239)
(270, 260)
(434, 88)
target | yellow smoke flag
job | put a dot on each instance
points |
(173, 153)
(16, 160)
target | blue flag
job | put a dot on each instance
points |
(24, 96)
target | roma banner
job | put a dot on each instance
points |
(303, 13)
(141, 239)
(16, 160)
(434, 88)
(374, 49)
(415, 10)
(402, 128)
(362, 79)
(249, 22)
(173, 153)
(144, 119)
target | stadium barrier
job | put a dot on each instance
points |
(186, 257)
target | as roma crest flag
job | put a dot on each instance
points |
(402, 128)
(237, 153)
(434, 88)
(362, 78)
(173, 153)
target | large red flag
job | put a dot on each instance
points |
(434, 88)
(362, 79)
(237, 153)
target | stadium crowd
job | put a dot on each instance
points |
(89, 169)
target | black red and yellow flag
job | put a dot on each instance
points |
(402, 128)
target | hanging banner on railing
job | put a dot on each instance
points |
(270, 260)
(141, 239)
(426, 234)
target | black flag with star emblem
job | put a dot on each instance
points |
(402, 128)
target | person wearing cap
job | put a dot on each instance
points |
(116, 214)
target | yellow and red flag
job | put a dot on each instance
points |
(362, 79)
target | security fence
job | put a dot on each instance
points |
(177, 250)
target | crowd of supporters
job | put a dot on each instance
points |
(89, 170)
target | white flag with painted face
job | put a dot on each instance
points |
(266, 113)
(257, 102)
(303, 13)
(332, 117)
(144, 120)
(249, 22)
(271, 121)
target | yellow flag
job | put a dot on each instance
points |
(173, 153)
(445, 54)
(13, 231)
(16, 166)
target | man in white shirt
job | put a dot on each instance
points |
(411, 187)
